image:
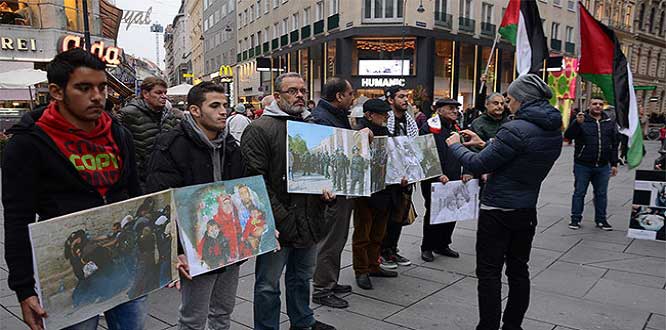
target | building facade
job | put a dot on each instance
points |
(194, 28)
(178, 50)
(436, 48)
(219, 25)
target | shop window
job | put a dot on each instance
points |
(384, 57)
(330, 59)
(466, 71)
(490, 78)
(316, 53)
(383, 11)
(507, 72)
(16, 13)
(443, 68)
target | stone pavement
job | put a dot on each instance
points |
(585, 279)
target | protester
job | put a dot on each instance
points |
(487, 125)
(371, 214)
(518, 160)
(332, 110)
(146, 117)
(300, 219)
(311, 105)
(595, 161)
(265, 103)
(185, 156)
(437, 238)
(399, 123)
(237, 123)
(420, 117)
(42, 174)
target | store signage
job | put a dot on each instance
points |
(382, 82)
(188, 75)
(137, 17)
(226, 71)
(20, 44)
(644, 88)
(109, 55)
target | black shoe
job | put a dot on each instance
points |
(447, 252)
(604, 226)
(317, 326)
(384, 273)
(427, 256)
(363, 282)
(331, 301)
(575, 225)
(340, 289)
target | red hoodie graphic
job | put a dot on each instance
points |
(95, 155)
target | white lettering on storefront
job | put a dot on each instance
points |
(382, 82)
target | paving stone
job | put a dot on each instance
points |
(369, 307)
(540, 259)
(567, 279)
(636, 279)
(10, 304)
(163, 304)
(657, 322)
(153, 323)
(244, 314)
(628, 296)
(615, 247)
(464, 292)
(581, 314)
(647, 248)
(4, 289)
(12, 323)
(465, 265)
(529, 324)
(554, 242)
(344, 319)
(642, 265)
(3, 274)
(434, 275)
(588, 255)
(437, 313)
(247, 268)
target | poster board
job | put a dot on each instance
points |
(648, 212)
(415, 158)
(454, 201)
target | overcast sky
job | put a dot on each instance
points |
(138, 40)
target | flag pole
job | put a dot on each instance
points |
(579, 101)
(490, 58)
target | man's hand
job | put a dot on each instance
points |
(613, 171)
(466, 177)
(183, 268)
(370, 134)
(443, 179)
(327, 195)
(403, 182)
(484, 177)
(453, 139)
(277, 236)
(473, 140)
(33, 313)
(580, 117)
(657, 167)
(483, 77)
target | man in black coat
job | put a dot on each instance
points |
(198, 151)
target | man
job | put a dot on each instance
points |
(42, 174)
(437, 238)
(237, 123)
(518, 161)
(265, 103)
(311, 105)
(357, 172)
(332, 110)
(300, 219)
(595, 160)
(487, 125)
(146, 117)
(400, 123)
(198, 151)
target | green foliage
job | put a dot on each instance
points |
(297, 144)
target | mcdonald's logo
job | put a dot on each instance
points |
(226, 71)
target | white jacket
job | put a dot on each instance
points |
(236, 124)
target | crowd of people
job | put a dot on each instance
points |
(510, 142)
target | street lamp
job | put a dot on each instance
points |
(420, 9)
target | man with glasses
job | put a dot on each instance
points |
(301, 219)
(487, 125)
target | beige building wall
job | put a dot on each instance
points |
(194, 12)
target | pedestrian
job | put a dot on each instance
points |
(419, 117)
(265, 103)
(237, 123)
(146, 117)
(437, 238)
(198, 151)
(311, 105)
(332, 110)
(595, 161)
(42, 174)
(399, 123)
(494, 116)
(518, 161)
(264, 148)
(371, 214)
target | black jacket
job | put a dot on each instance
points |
(301, 219)
(326, 114)
(37, 179)
(596, 141)
(519, 158)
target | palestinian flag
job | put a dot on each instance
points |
(521, 25)
(603, 63)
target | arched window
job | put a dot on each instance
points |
(641, 13)
(652, 12)
(660, 31)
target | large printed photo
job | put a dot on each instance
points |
(413, 158)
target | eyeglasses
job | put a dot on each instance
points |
(294, 91)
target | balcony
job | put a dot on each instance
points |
(319, 27)
(466, 24)
(239, 57)
(257, 50)
(275, 44)
(306, 31)
(333, 22)
(284, 40)
(443, 19)
(556, 44)
(267, 47)
(570, 47)
(488, 29)
(251, 53)
(244, 55)
(293, 36)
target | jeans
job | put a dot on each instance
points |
(504, 236)
(327, 271)
(208, 297)
(583, 175)
(300, 263)
(128, 316)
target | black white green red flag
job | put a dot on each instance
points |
(522, 26)
(603, 63)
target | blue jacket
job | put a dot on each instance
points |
(326, 114)
(519, 158)
(596, 141)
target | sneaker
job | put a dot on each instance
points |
(384, 273)
(575, 225)
(341, 289)
(331, 301)
(604, 226)
(321, 326)
(400, 260)
(386, 263)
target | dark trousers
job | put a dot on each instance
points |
(504, 236)
(369, 229)
(435, 237)
(327, 270)
(393, 231)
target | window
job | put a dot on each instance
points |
(441, 6)
(251, 13)
(466, 8)
(571, 5)
(252, 44)
(554, 31)
(240, 19)
(276, 30)
(557, 3)
(306, 16)
(245, 17)
(267, 6)
(295, 21)
(285, 26)
(258, 13)
(206, 25)
(232, 6)
(487, 13)
(319, 13)
(267, 34)
(569, 34)
(206, 4)
(334, 7)
(641, 14)
(661, 23)
(652, 12)
(276, 3)
(383, 10)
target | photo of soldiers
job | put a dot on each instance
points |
(358, 170)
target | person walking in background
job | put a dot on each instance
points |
(237, 123)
